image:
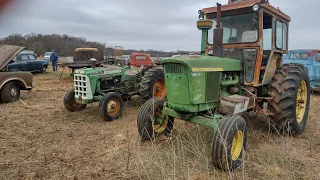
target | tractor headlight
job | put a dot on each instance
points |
(256, 7)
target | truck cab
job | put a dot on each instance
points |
(310, 58)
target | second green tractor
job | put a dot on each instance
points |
(239, 70)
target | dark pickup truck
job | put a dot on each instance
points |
(12, 82)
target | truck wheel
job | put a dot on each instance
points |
(44, 69)
(229, 142)
(290, 89)
(152, 84)
(150, 122)
(10, 92)
(110, 106)
(70, 102)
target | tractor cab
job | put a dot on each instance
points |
(251, 31)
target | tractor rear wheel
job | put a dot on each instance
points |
(290, 89)
(150, 121)
(229, 142)
(111, 106)
(70, 103)
(152, 84)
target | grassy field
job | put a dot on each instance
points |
(40, 139)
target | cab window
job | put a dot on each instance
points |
(24, 58)
(281, 35)
(318, 57)
(31, 57)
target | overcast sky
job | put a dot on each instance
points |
(142, 24)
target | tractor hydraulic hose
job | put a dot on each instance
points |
(232, 81)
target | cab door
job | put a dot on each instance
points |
(33, 64)
(22, 63)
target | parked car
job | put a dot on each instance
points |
(12, 82)
(310, 59)
(46, 56)
(27, 61)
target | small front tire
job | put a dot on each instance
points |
(70, 103)
(150, 122)
(229, 142)
(111, 106)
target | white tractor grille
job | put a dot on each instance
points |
(82, 87)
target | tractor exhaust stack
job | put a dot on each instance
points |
(218, 34)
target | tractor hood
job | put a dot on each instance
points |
(7, 53)
(196, 63)
(101, 70)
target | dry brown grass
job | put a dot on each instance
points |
(40, 139)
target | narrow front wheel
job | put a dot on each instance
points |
(229, 142)
(70, 103)
(111, 106)
(151, 122)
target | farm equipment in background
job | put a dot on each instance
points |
(311, 60)
(81, 58)
(111, 85)
(239, 71)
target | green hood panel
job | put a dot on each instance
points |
(205, 63)
(101, 70)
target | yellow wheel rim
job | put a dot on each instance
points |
(301, 101)
(237, 144)
(159, 128)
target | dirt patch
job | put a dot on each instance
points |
(39, 138)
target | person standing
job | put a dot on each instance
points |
(54, 60)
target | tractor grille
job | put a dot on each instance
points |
(175, 68)
(82, 87)
(212, 85)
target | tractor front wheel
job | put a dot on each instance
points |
(152, 84)
(150, 121)
(229, 142)
(290, 89)
(70, 103)
(110, 106)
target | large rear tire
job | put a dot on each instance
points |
(150, 123)
(70, 103)
(10, 92)
(229, 142)
(290, 89)
(152, 84)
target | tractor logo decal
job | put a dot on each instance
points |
(206, 69)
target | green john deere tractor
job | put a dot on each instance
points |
(239, 71)
(111, 85)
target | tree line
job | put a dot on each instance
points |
(65, 45)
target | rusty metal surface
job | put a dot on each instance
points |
(278, 12)
(247, 4)
(86, 49)
(272, 66)
(233, 104)
(236, 98)
(232, 6)
(7, 53)
(25, 78)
